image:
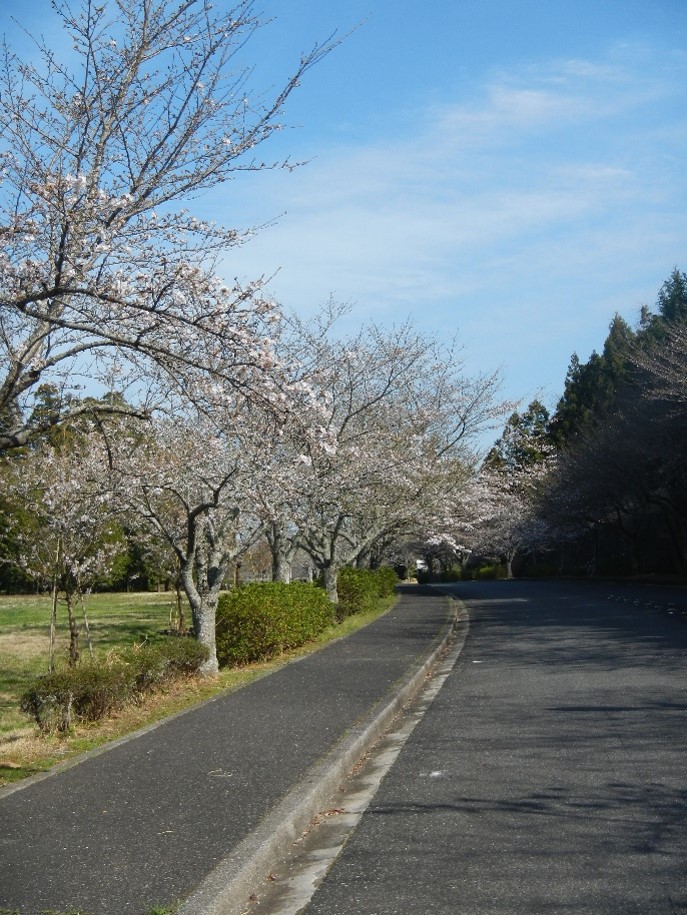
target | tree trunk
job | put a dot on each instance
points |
(53, 628)
(363, 559)
(204, 628)
(53, 612)
(74, 650)
(204, 612)
(181, 618)
(281, 568)
(676, 531)
(282, 550)
(330, 574)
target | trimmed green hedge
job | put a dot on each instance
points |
(359, 589)
(261, 619)
(387, 580)
(95, 689)
(491, 572)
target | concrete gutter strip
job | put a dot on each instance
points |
(226, 890)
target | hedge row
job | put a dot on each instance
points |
(254, 622)
(259, 620)
(359, 589)
(490, 571)
(95, 689)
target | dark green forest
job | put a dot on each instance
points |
(611, 492)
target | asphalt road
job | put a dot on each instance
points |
(150, 819)
(549, 774)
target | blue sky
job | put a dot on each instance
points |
(513, 172)
(510, 171)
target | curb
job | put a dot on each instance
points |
(226, 890)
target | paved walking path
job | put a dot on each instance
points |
(195, 808)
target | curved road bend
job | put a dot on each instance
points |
(550, 773)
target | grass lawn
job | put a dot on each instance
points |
(116, 621)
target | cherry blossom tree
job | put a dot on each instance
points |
(68, 535)
(347, 492)
(196, 481)
(196, 500)
(507, 485)
(104, 277)
(286, 449)
(163, 567)
(278, 504)
(398, 411)
(509, 524)
(448, 525)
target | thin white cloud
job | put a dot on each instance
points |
(495, 214)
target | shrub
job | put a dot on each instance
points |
(540, 570)
(401, 572)
(261, 619)
(95, 689)
(387, 579)
(152, 663)
(87, 692)
(455, 573)
(359, 589)
(186, 655)
(490, 572)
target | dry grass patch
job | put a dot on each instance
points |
(24, 645)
